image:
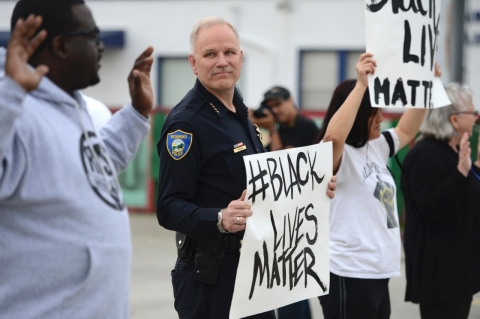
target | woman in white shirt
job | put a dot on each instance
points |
(364, 229)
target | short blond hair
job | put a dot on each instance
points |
(208, 22)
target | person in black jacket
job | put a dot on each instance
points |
(442, 195)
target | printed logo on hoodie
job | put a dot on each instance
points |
(99, 172)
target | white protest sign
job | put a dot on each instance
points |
(471, 65)
(439, 95)
(285, 255)
(403, 36)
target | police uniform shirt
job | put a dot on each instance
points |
(201, 151)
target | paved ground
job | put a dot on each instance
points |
(154, 257)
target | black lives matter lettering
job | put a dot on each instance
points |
(291, 259)
(283, 178)
(401, 89)
(288, 264)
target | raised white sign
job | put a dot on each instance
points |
(403, 36)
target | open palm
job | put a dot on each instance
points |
(20, 48)
(464, 160)
(139, 83)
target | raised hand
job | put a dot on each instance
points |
(464, 160)
(20, 48)
(234, 217)
(139, 83)
(365, 65)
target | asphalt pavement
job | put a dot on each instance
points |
(154, 257)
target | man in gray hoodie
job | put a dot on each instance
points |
(65, 248)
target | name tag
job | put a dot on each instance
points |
(239, 147)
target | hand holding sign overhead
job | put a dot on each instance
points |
(365, 66)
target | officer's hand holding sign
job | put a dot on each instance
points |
(234, 217)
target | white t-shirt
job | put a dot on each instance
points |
(364, 227)
(99, 112)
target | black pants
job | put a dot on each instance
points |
(196, 300)
(352, 298)
(457, 310)
(297, 310)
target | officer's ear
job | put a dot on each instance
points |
(193, 64)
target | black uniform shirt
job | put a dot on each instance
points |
(201, 174)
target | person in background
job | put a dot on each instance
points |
(203, 178)
(294, 130)
(442, 197)
(365, 247)
(65, 246)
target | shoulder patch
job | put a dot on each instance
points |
(179, 143)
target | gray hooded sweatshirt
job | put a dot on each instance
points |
(65, 248)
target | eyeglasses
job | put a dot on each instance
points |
(95, 33)
(467, 112)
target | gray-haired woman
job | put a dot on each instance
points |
(442, 195)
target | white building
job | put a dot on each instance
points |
(307, 46)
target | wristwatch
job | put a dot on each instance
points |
(219, 222)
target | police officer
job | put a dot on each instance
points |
(202, 174)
